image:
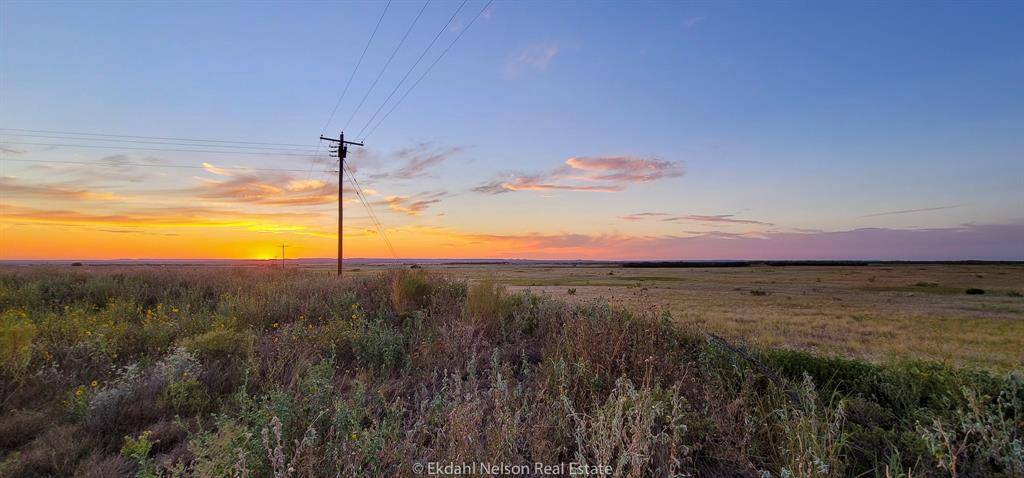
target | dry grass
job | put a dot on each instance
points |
(191, 372)
(876, 312)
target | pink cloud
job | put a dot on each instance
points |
(622, 168)
(580, 173)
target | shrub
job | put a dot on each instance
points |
(625, 434)
(814, 440)
(186, 397)
(53, 453)
(975, 291)
(229, 450)
(19, 427)
(984, 438)
(378, 345)
(410, 290)
(316, 386)
(138, 449)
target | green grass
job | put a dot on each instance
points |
(178, 372)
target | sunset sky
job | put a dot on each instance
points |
(568, 130)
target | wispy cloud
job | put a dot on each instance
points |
(640, 216)
(912, 211)
(10, 150)
(13, 187)
(216, 170)
(117, 168)
(537, 183)
(716, 218)
(165, 217)
(536, 57)
(620, 168)
(418, 160)
(705, 218)
(268, 188)
(416, 204)
(612, 173)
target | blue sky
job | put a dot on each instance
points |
(787, 117)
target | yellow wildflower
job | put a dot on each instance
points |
(93, 384)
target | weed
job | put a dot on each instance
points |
(138, 449)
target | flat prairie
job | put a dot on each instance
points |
(876, 311)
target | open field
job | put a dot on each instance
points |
(876, 312)
(172, 371)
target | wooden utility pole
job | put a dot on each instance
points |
(282, 246)
(342, 152)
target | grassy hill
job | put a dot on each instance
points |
(202, 372)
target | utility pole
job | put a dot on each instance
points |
(282, 246)
(342, 152)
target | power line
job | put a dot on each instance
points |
(354, 70)
(425, 72)
(159, 149)
(373, 219)
(413, 67)
(49, 131)
(347, 84)
(238, 146)
(369, 211)
(386, 64)
(148, 165)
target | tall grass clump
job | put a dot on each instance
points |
(16, 336)
(250, 372)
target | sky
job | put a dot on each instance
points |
(547, 130)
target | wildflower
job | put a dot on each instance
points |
(355, 436)
(274, 325)
(93, 384)
(78, 392)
